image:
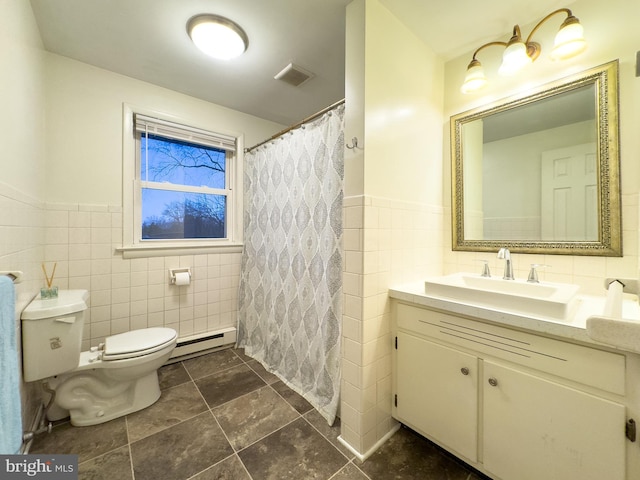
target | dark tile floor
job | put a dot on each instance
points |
(222, 416)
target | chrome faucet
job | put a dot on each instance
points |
(505, 254)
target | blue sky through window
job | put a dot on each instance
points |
(181, 163)
(175, 214)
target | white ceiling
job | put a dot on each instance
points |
(454, 27)
(147, 40)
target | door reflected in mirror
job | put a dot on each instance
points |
(540, 174)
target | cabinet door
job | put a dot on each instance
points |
(437, 393)
(536, 429)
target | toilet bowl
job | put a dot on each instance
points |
(108, 381)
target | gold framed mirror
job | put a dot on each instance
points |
(541, 173)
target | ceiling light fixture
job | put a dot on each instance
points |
(217, 36)
(569, 42)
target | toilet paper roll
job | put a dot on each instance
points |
(613, 303)
(183, 278)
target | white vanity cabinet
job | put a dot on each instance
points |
(513, 404)
(438, 388)
(534, 428)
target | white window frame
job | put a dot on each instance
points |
(132, 243)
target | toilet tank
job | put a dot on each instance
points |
(52, 334)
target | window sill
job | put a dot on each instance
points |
(141, 251)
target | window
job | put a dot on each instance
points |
(183, 187)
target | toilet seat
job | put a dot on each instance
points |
(136, 343)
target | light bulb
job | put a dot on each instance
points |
(569, 41)
(514, 59)
(217, 36)
(474, 79)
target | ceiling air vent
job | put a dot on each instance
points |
(294, 75)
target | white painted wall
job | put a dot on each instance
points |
(403, 114)
(354, 119)
(21, 87)
(612, 33)
(84, 127)
(22, 161)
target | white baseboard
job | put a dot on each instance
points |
(363, 456)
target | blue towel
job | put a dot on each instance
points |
(10, 406)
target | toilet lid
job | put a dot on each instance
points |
(137, 342)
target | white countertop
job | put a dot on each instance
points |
(574, 328)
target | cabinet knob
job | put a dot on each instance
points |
(464, 370)
(493, 382)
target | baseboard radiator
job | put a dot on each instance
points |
(203, 342)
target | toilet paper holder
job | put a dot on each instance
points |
(174, 271)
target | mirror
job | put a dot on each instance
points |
(541, 174)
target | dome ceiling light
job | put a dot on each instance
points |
(217, 36)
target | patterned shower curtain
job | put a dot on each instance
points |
(290, 298)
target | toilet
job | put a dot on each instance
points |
(117, 377)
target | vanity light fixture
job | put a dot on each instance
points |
(217, 36)
(569, 42)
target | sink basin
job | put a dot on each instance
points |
(550, 300)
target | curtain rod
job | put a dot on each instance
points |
(297, 125)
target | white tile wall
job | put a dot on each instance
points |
(21, 248)
(22, 237)
(386, 242)
(135, 293)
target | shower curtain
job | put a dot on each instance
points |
(290, 297)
